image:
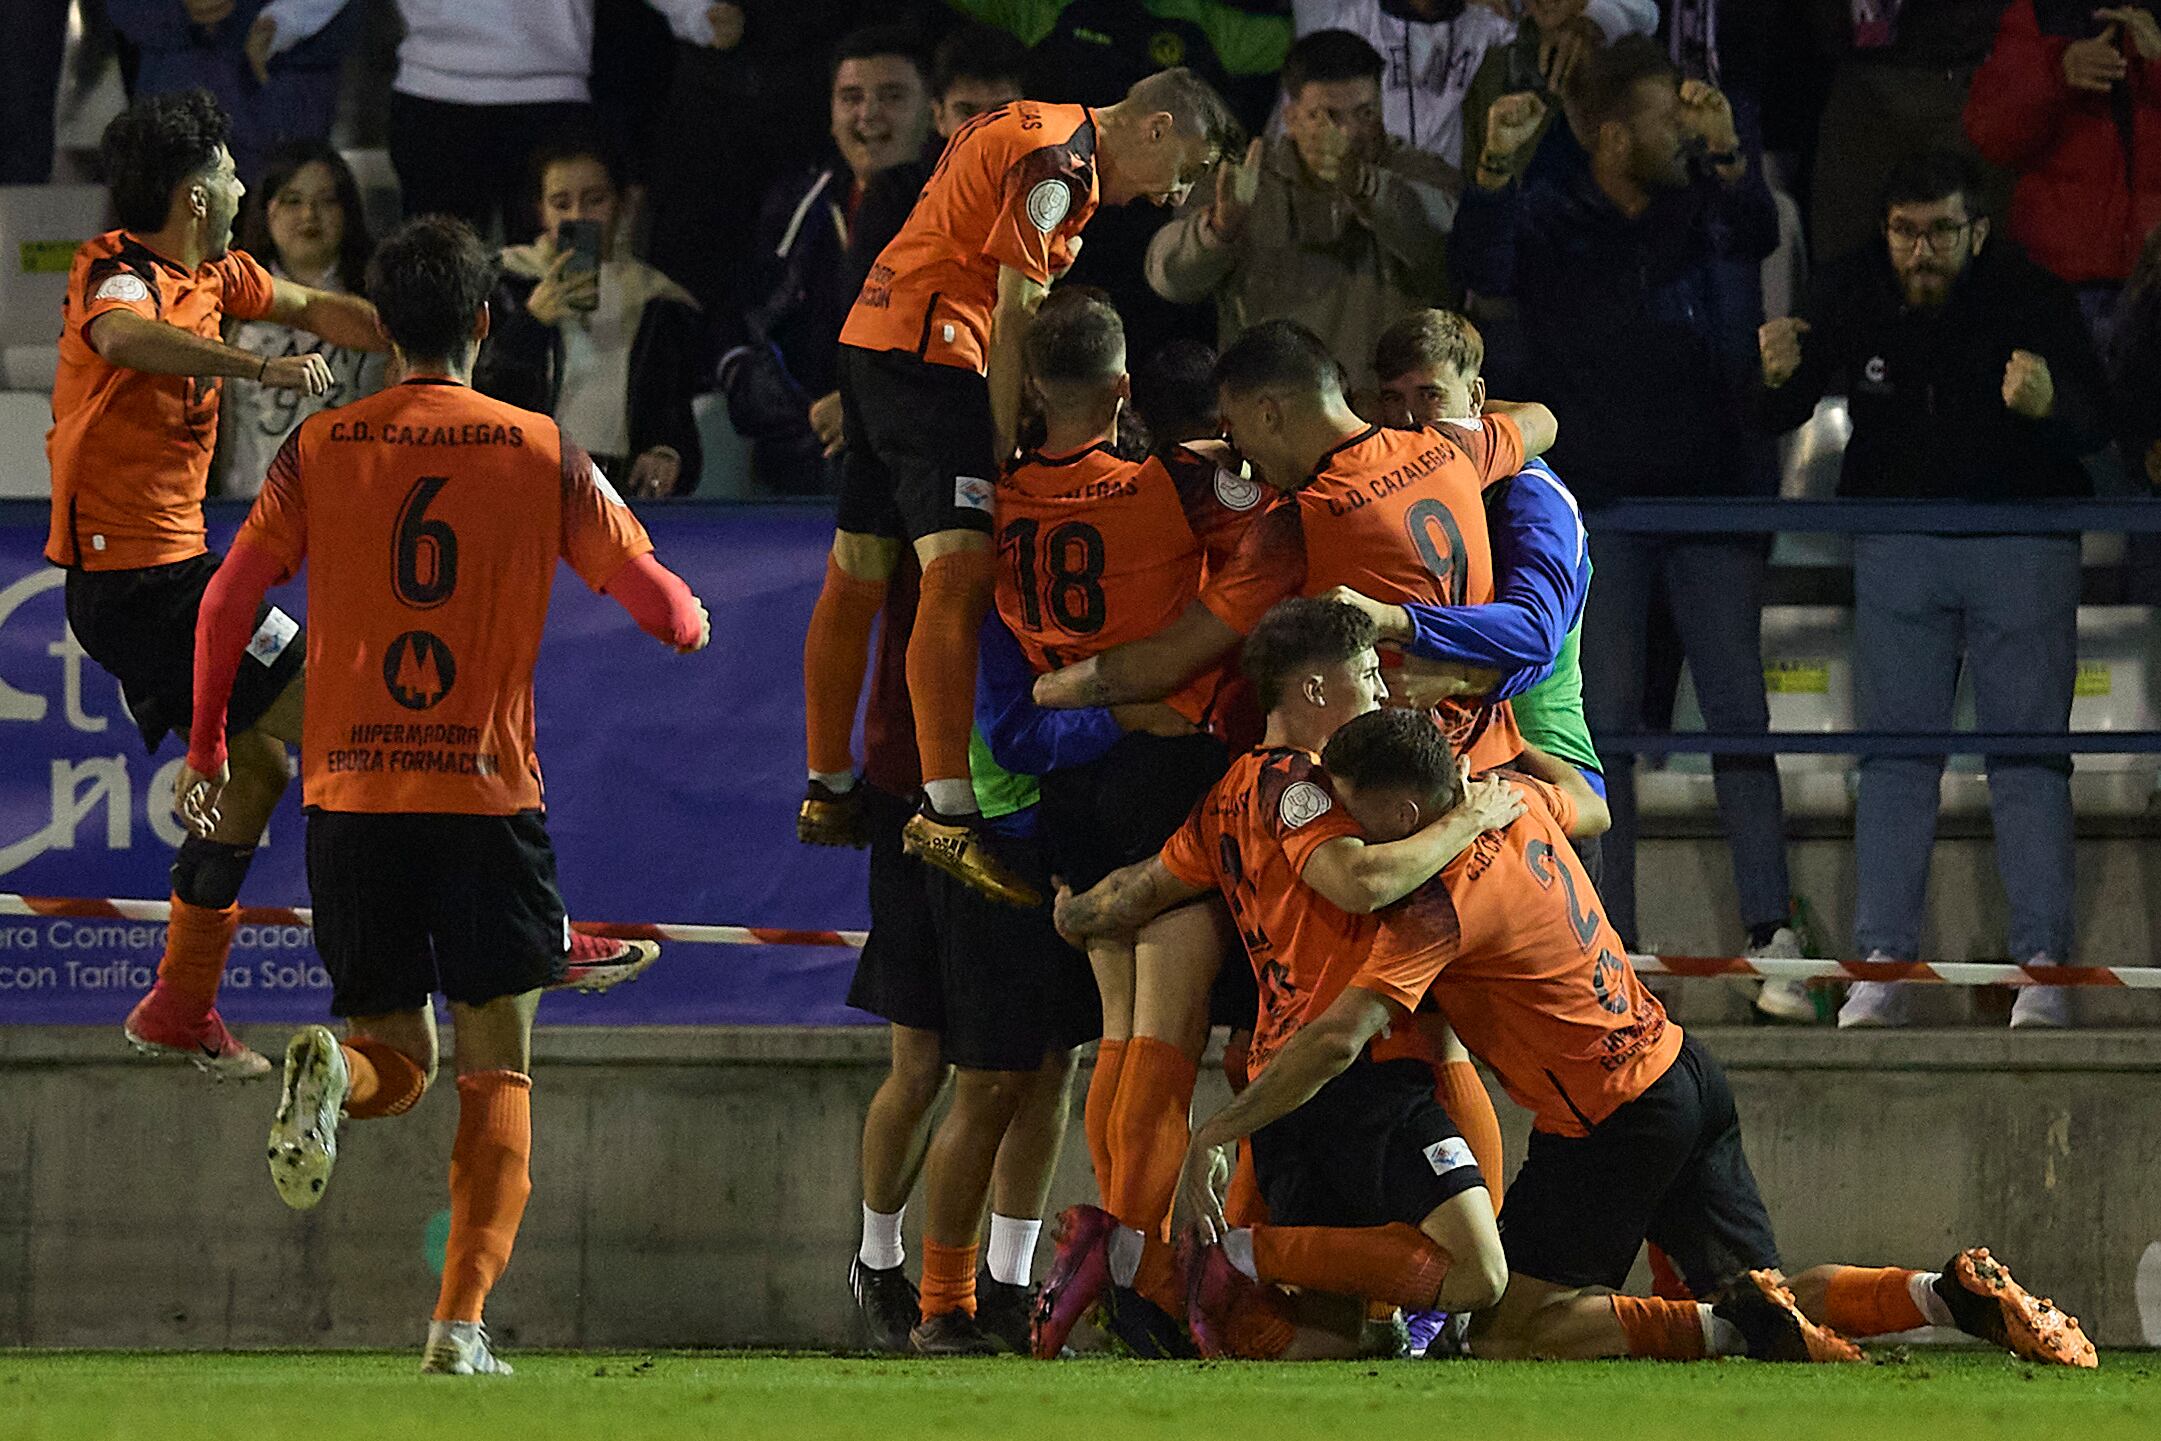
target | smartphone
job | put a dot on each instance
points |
(582, 239)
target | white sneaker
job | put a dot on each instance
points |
(1874, 1004)
(460, 1348)
(2041, 1007)
(304, 1137)
(1783, 998)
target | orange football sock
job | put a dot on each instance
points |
(1666, 1282)
(949, 610)
(1260, 1326)
(384, 1081)
(197, 941)
(948, 1278)
(490, 1179)
(1665, 1330)
(1242, 1204)
(1149, 1129)
(1096, 1114)
(1463, 1095)
(836, 649)
(1396, 1263)
(1870, 1301)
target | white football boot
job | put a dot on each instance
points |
(304, 1137)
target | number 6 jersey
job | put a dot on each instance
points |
(431, 517)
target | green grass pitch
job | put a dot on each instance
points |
(376, 1396)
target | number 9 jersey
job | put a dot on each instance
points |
(430, 518)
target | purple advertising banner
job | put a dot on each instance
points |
(672, 787)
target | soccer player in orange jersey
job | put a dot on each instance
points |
(430, 519)
(1392, 514)
(135, 418)
(1634, 1132)
(930, 383)
(1265, 826)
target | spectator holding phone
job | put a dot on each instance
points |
(600, 340)
(304, 222)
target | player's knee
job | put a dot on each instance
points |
(208, 873)
(1476, 1282)
(989, 1093)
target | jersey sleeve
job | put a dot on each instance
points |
(1302, 813)
(1190, 854)
(1494, 446)
(600, 535)
(277, 524)
(1038, 193)
(110, 283)
(245, 289)
(1414, 942)
(1551, 798)
(1255, 557)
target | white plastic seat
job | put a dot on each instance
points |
(41, 226)
(24, 419)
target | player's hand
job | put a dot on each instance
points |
(2139, 25)
(1197, 1207)
(1420, 684)
(309, 374)
(2028, 388)
(557, 294)
(195, 797)
(1511, 129)
(1489, 801)
(1778, 343)
(727, 23)
(1237, 184)
(1328, 151)
(1061, 915)
(655, 472)
(2094, 65)
(261, 36)
(1152, 718)
(825, 421)
(207, 12)
(705, 632)
(1707, 114)
(1564, 38)
(1393, 621)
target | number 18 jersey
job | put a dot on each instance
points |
(430, 517)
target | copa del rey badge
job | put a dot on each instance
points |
(1236, 491)
(1302, 801)
(1048, 201)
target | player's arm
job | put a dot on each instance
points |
(347, 321)
(1533, 421)
(1142, 670)
(1322, 1049)
(661, 603)
(135, 342)
(1024, 737)
(1361, 877)
(1122, 902)
(223, 623)
(1019, 297)
(1591, 818)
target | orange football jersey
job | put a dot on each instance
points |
(431, 517)
(1013, 188)
(1511, 943)
(130, 451)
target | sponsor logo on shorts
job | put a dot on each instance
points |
(1450, 1155)
(1302, 801)
(123, 287)
(272, 636)
(1047, 204)
(1237, 492)
(971, 492)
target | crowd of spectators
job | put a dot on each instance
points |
(1613, 188)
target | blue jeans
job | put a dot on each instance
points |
(2007, 606)
(1714, 585)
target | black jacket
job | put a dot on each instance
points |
(1926, 390)
(522, 363)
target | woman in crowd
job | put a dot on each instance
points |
(303, 221)
(613, 350)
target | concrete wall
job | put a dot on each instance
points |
(698, 1187)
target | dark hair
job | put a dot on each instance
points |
(560, 147)
(1396, 748)
(1296, 634)
(1603, 87)
(872, 41)
(1280, 354)
(1077, 338)
(1429, 340)
(1194, 105)
(1174, 393)
(979, 52)
(285, 162)
(2136, 334)
(428, 279)
(156, 145)
(1924, 177)
(1329, 55)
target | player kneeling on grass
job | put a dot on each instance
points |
(1634, 1133)
(428, 856)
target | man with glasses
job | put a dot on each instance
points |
(1969, 378)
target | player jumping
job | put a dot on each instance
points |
(431, 518)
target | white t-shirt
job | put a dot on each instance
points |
(253, 420)
(594, 401)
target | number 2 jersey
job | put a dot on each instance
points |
(1096, 551)
(431, 518)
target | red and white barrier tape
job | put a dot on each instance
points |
(1946, 973)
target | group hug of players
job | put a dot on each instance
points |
(1192, 669)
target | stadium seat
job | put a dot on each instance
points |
(40, 228)
(29, 367)
(24, 419)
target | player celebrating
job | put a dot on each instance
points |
(930, 379)
(428, 856)
(135, 418)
